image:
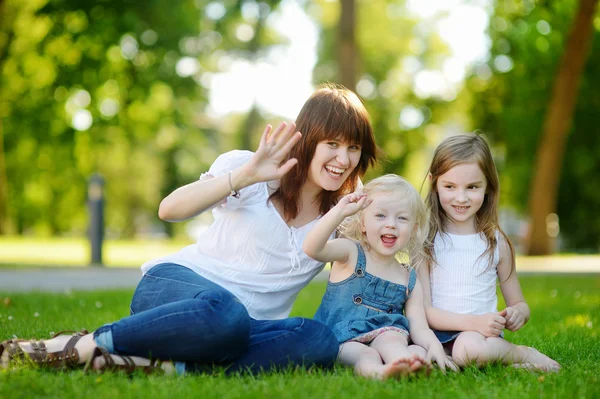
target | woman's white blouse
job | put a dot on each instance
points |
(249, 249)
(462, 281)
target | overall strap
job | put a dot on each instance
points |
(412, 280)
(361, 262)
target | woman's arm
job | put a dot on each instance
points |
(317, 244)
(489, 324)
(517, 310)
(265, 165)
(421, 334)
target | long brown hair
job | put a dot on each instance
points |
(453, 151)
(331, 113)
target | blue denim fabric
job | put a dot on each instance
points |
(179, 315)
(446, 336)
(449, 336)
(363, 303)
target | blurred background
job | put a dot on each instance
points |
(147, 94)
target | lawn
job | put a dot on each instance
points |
(565, 325)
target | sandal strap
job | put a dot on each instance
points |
(67, 358)
(13, 349)
(129, 366)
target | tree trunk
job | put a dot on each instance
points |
(557, 123)
(347, 49)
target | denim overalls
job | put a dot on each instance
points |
(363, 303)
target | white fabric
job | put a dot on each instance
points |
(462, 281)
(249, 249)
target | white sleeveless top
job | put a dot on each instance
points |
(461, 281)
(249, 249)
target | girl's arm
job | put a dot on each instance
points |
(517, 311)
(265, 165)
(421, 334)
(317, 244)
(489, 324)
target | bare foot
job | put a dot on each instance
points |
(420, 365)
(538, 361)
(399, 368)
(99, 363)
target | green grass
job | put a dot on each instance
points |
(565, 325)
(27, 251)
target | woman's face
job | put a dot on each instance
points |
(333, 162)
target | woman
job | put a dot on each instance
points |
(225, 300)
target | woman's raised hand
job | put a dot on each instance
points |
(267, 163)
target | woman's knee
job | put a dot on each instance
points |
(227, 313)
(321, 345)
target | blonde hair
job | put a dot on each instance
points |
(457, 150)
(401, 189)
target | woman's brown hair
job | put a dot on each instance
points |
(331, 113)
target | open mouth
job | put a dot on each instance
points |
(460, 209)
(388, 240)
(334, 172)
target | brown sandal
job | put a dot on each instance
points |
(129, 366)
(67, 358)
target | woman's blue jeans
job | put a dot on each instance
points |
(179, 315)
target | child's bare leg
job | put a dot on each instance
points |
(367, 361)
(471, 346)
(394, 349)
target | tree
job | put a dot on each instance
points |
(379, 48)
(115, 87)
(510, 95)
(544, 192)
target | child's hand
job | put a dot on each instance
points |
(515, 319)
(491, 324)
(352, 203)
(443, 361)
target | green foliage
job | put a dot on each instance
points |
(121, 66)
(394, 46)
(565, 325)
(510, 95)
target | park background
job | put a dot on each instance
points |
(147, 94)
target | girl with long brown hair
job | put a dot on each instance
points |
(467, 253)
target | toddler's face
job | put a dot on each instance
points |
(387, 223)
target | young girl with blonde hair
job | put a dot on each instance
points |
(467, 252)
(372, 300)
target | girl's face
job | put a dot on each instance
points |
(387, 224)
(333, 162)
(461, 192)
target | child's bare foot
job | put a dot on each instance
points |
(399, 368)
(419, 365)
(537, 361)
